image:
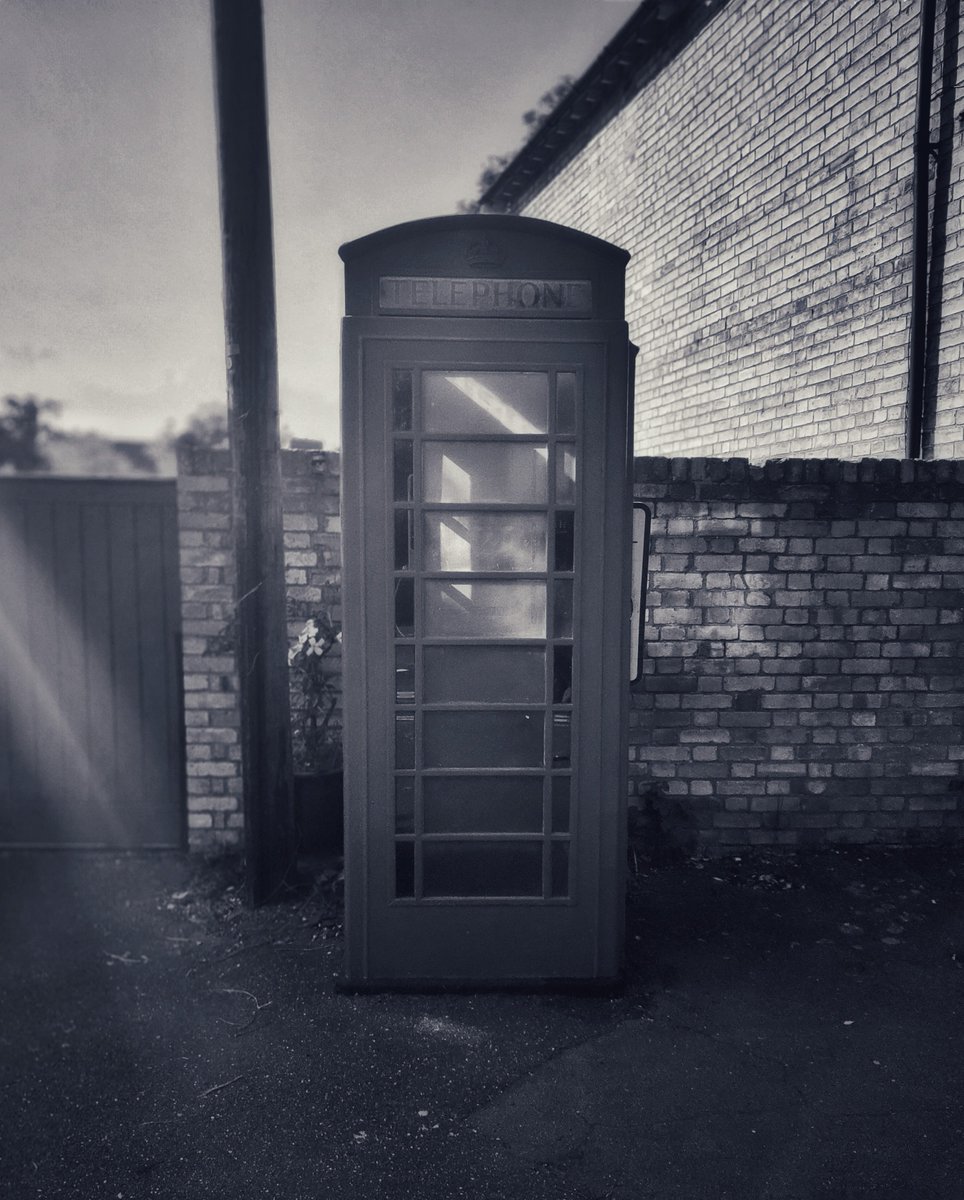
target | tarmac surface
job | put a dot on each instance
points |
(791, 1029)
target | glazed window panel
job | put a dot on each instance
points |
(562, 608)
(485, 473)
(484, 675)
(485, 402)
(566, 402)
(565, 473)
(565, 540)
(561, 790)
(483, 739)
(485, 608)
(405, 674)
(405, 804)
(488, 804)
(473, 541)
(404, 741)
(403, 469)
(404, 608)
(404, 542)
(559, 864)
(405, 869)
(402, 400)
(482, 869)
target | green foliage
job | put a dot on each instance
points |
(315, 736)
(22, 432)
(206, 429)
(533, 120)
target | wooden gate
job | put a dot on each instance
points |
(90, 701)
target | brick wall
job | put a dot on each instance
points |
(761, 182)
(313, 564)
(804, 663)
(804, 659)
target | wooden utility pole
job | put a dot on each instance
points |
(252, 371)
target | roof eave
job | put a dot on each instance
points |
(658, 29)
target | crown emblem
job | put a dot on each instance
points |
(483, 252)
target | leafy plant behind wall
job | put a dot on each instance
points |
(315, 730)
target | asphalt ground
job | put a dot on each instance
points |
(790, 1029)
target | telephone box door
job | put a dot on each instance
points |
(486, 516)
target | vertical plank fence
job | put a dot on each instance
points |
(91, 749)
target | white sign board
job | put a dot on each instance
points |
(640, 548)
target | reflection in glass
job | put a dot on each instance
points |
(562, 675)
(561, 738)
(562, 610)
(483, 739)
(565, 473)
(485, 402)
(404, 741)
(565, 539)
(482, 868)
(560, 803)
(484, 472)
(403, 469)
(405, 804)
(559, 864)
(403, 539)
(404, 608)
(404, 674)
(402, 400)
(494, 804)
(472, 541)
(486, 608)
(404, 869)
(484, 674)
(565, 402)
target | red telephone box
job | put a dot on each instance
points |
(487, 525)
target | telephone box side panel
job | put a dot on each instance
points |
(615, 649)
(353, 657)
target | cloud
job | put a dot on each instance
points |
(27, 355)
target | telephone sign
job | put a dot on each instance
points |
(487, 533)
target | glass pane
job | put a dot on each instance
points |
(405, 804)
(484, 473)
(565, 539)
(560, 869)
(404, 674)
(562, 675)
(483, 739)
(404, 608)
(485, 608)
(482, 868)
(472, 541)
(565, 402)
(560, 803)
(562, 611)
(566, 473)
(561, 738)
(404, 741)
(402, 400)
(484, 674)
(403, 489)
(485, 401)
(404, 869)
(403, 539)
(491, 805)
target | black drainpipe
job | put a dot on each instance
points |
(917, 357)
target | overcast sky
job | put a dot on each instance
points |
(380, 111)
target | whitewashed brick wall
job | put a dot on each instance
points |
(762, 184)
